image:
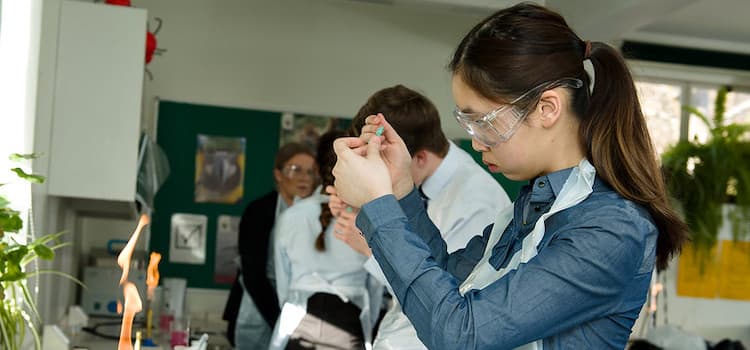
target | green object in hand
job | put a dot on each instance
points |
(349, 209)
(380, 130)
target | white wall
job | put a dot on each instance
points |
(321, 56)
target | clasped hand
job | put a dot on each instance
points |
(370, 166)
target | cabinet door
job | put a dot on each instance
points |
(97, 101)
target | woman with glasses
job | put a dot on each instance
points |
(569, 264)
(252, 308)
(328, 300)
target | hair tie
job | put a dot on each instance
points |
(587, 52)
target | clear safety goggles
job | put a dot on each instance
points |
(499, 124)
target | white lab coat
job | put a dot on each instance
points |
(302, 271)
(463, 200)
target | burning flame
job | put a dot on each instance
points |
(132, 299)
(152, 280)
(132, 306)
(152, 276)
(124, 258)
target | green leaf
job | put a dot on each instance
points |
(700, 115)
(58, 273)
(29, 301)
(10, 221)
(15, 253)
(52, 237)
(17, 157)
(41, 248)
(28, 177)
(13, 273)
(4, 202)
(44, 252)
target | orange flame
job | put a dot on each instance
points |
(132, 299)
(124, 258)
(152, 276)
(132, 306)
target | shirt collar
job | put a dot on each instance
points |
(547, 187)
(280, 205)
(317, 195)
(557, 179)
(436, 182)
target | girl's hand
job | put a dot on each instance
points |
(393, 152)
(361, 174)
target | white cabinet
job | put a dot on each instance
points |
(96, 110)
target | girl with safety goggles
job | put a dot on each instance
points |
(567, 266)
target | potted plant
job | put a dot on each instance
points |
(703, 177)
(18, 312)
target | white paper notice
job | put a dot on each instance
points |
(188, 239)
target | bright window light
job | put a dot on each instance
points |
(20, 24)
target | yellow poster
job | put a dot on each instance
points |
(734, 282)
(698, 274)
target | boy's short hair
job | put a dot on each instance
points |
(412, 115)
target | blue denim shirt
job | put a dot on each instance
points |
(584, 289)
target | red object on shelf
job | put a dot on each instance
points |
(118, 2)
(150, 46)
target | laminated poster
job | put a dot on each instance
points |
(219, 169)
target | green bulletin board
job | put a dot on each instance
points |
(179, 125)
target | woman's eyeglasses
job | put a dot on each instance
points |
(296, 172)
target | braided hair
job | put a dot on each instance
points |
(326, 159)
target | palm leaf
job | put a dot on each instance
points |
(723, 160)
(29, 301)
(696, 112)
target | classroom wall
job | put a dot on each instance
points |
(324, 56)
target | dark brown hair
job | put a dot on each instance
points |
(523, 46)
(411, 114)
(326, 160)
(288, 151)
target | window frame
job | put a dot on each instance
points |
(687, 78)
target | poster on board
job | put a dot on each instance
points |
(307, 128)
(219, 169)
(188, 238)
(227, 253)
